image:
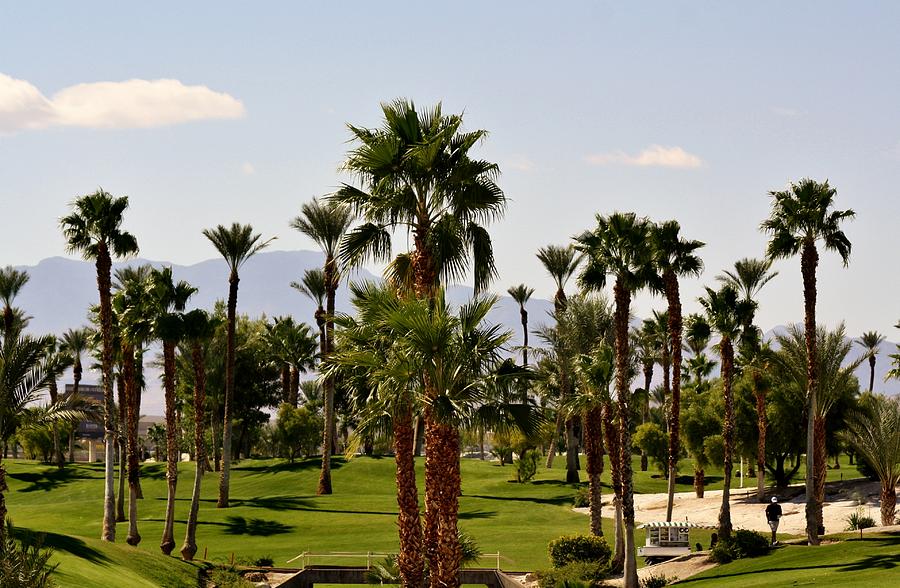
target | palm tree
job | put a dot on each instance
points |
(748, 278)
(618, 246)
(416, 173)
(11, 283)
(94, 229)
(521, 294)
(326, 224)
(646, 346)
(674, 257)
(198, 329)
(561, 263)
(802, 215)
(236, 244)
(313, 287)
(874, 433)
(57, 361)
(870, 341)
(167, 302)
(728, 315)
(75, 342)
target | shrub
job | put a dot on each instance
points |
(653, 581)
(857, 521)
(527, 465)
(228, 578)
(579, 574)
(579, 548)
(741, 544)
(651, 438)
(582, 498)
(24, 564)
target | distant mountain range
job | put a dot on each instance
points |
(60, 290)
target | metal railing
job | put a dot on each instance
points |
(307, 556)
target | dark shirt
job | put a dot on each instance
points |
(773, 512)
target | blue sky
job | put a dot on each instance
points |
(679, 110)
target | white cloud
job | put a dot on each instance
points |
(519, 164)
(111, 105)
(652, 156)
(247, 168)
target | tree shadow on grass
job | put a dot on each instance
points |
(58, 542)
(49, 480)
(278, 503)
(286, 466)
(477, 514)
(558, 501)
(254, 526)
(707, 480)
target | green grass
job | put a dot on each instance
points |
(851, 563)
(275, 513)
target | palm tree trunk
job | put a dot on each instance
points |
(673, 298)
(809, 259)
(104, 265)
(728, 435)
(410, 560)
(225, 478)
(557, 431)
(328, 434)
(645, 408)
(123, 473)
(888, 503)
(821, 472)
(593, 448)
(189, 549)
(524, 314)
(120, 441)
(871, 371)
(432, 487)
(294, 393)
(571, 452)
(76, 380)
(615, 470)
(133, 537)
(761, 440)
(699, 482)
(419, 436)
(168, 538)
(286, 383)
(3, 490)
(449, 550)
(623, 302)
(217, 452)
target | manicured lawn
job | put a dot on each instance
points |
(853, 563)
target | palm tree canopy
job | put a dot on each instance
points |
(870, 340)
(236, 243)
(11, 282)
(672, 253)
(749, 276)
(325, 224)
(95, 223)
(23, 374)
(804, 213)
(560, 262)
(416, 172)
(875, 433)
(76, 341)
(728, 313)
(618, 246)
(312, 285)
(520, 294)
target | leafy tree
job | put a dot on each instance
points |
(94, 229)
(236, 244)
(801, 216)
(651, 438)
(297, 431)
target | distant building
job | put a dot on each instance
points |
(92, 393)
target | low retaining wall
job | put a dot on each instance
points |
(310, 576)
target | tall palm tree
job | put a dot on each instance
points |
(313, 287)
(728, 315)
(874, 432)
(748, 278)
(618, 247)
(75, 342)
(646, 347)
(57, 361)
(11, 283)
(561, 263)
(198, 329)
(167, 302)
(801, 216)
(326, 224)
(236, 244)
(94, 229)
(674, 257)
(521, 294)
(416, 173)
(870, 341)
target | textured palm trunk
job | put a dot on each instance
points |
(888, 503)
(3, 490)
(120, 441)
(286, 383)
(76, 381)
(331, 283)
(612, 446)
(58, 457)
(821, 471)
(294, 396)
(761, 439)
(104, 265)
(593, 448)
(623, 302)
(131, 441)
(871, 372)
(225, 478)
(524, 314)
(727, 352)
(419, 436)
(449, 550)
(571, 453)
(189, 548)
(216, 434)
(432, 489)
(410, 560)
(673, 299)
(809, 259)
(699, 482)
(167, 544)
(645, 407)
(557, 431)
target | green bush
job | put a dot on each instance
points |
(859, 520)
(527, 465)
(582, 498)
(651, 438)
(579, 548)
(741, 544)
(24, 564)
(579, 574)
(653, 581)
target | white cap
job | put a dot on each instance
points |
(774, 499)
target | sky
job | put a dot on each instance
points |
(213, 112)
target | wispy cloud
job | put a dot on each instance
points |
(652, 156)
(519, 164)
(111, 105)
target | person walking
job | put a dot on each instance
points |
(773, 516)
